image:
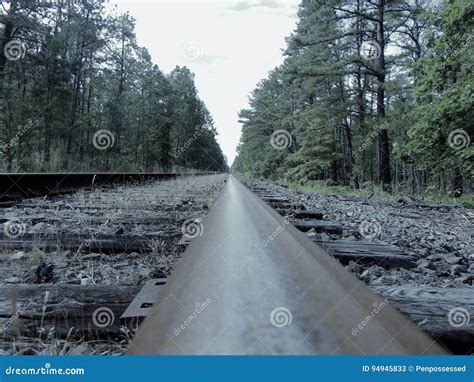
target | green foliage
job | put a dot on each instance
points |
(444, 93)
(271, 111)
(314, 157)
(83, 72)
(327, 95)
(374, 192)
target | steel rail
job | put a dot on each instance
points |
(253, 284)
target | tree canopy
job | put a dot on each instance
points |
(370, 92)
(78, 93)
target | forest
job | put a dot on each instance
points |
(371, 94)
(77, 93)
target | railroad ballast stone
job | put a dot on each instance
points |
(438, 240)
(103, 239)
(417, 256)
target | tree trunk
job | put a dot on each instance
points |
(384, 174)
(457, 188)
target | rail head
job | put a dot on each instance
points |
(251, 283)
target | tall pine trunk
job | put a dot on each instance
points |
(384, 173)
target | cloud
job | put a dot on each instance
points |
(245, 5)
(286, 8)
(206, 59)
(193, 51)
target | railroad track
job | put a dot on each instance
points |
(18, 186)
(65, 256)
(254, 284)
(258, 284)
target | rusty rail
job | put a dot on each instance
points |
(251, 283)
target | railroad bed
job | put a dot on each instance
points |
(92, 252)
(64, 256)
(255, 284)
(416, 255)
(17, 186)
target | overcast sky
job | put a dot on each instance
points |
(229, 45)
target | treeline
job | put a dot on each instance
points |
(77, 93)
(370, 92)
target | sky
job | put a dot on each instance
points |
(229, 45)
